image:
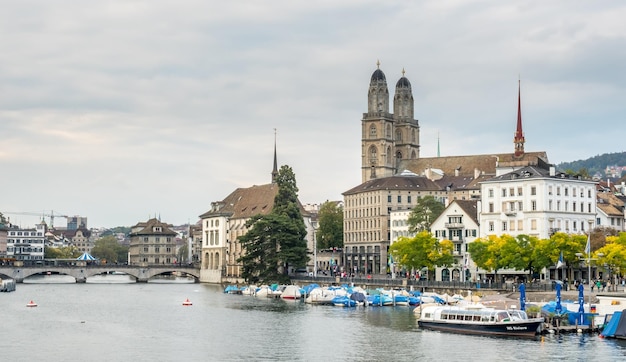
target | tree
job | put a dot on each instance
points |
(330, 232)
(109, 249)
(421, 251)
(62, 252)
(424, 213)
(613, 254)
(276, 241)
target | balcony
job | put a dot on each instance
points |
(510, 212)
(453, 225)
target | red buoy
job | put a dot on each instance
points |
(187, 302)
(31, 304)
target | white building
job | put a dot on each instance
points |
(27, 245)
(537, 201)
(459, 224)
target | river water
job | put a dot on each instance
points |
(110, 320)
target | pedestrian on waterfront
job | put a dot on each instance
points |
(598, 285)
(592, 284)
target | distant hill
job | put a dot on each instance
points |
(597, 165)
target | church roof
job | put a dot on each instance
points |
(398, 182)
(467, 165)
(403, 82)
(378, 75)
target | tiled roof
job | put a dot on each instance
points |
(470, 207)
(466, 165)
(143, 228)
(246, 202)
(412, 182)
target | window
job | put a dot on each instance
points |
(389, 198)
(574, 209)
(504, 226)
(533, 205)
(565, 190)
(520, 225)
(519, 191)
(408, 199)
(520, 206)
(372, 131)
(490, 192)
(491, 207)
(549, 205)
(511, 192)
(558, 191)
(491, 228)
(503, 192)
(399, 199)
(533, 224)
(533, 190)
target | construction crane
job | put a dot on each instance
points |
(51, 215)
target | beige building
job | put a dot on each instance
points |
(367, 210)
(152, 242)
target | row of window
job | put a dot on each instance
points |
(511, 191)
(24, 241)
(25, 233)
(352, 237)
(399, 133)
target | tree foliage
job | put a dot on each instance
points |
(427, 209)
(62, 252)
(422, 251)
(109, 249)
(275, 242)
(330, 232)
(613, 255)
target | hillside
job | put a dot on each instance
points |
(598, 165)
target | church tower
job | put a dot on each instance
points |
(519, 139)
(387, 138)
(406, 127)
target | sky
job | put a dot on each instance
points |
(120, 111)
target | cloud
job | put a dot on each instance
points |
(123, 109)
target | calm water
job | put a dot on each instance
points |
(147, 322)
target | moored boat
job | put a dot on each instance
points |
(480, 320)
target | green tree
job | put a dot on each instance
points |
(109, 249)
(275, 242)
(612, 256)
(427, 209)
(62, 252)
(330, 232)
(421, 251)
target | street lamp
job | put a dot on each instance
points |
(588, 260)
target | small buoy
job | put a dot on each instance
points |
(187, 302)
(31, 304)
(579, 330)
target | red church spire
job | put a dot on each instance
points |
(519, 133)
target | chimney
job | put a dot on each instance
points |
(552, 171)
(476, 173)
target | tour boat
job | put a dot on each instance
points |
(478, 319)
(31, 304)
(187, 302)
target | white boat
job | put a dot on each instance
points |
(291, 292)
(480, 320)
(324, 295)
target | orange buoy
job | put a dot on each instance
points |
(187, 302)
(31, 304)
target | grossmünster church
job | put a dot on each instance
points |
(394, 176)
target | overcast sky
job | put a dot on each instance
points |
(124, 110)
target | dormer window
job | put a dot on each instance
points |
(157, 229)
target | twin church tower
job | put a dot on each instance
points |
(388, 138)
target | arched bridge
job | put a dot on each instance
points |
(141, 273)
